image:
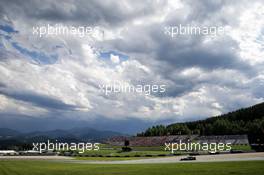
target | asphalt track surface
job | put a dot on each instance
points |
(172, 159)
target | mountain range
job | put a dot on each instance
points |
(71, 135)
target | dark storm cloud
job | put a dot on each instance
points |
(93, 12)
(166, 58)
(203, 10)
(27, 123)
(169, 55)
(196, 54)
(182, 52)
(208, 10)
(36, 99)
(2, 85)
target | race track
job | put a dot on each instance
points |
(172, 159)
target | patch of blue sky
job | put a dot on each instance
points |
(8, 29)
(106, 55)
(39, 57)
(3, 37)
(7, 37)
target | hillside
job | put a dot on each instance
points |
(6, 133)
(248, 121)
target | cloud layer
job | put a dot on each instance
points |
(56, 78)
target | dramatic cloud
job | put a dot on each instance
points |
(56, 77)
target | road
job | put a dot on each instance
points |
(176, 159)
(172, 159)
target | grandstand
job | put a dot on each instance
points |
(233, 139)
(161, 140)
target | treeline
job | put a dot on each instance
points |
(248, 121)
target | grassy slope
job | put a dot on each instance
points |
(43, 167)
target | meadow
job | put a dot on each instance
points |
(16, 167)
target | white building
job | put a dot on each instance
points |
(8, 153)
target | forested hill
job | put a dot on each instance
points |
(248, 121)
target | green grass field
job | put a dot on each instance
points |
(48, 168)
(241, 147)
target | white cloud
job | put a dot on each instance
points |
(194, 90)
(114, 58)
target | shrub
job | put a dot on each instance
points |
(126, 149)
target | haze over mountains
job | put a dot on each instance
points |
(75, 134)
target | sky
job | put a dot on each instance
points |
(52, 81)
